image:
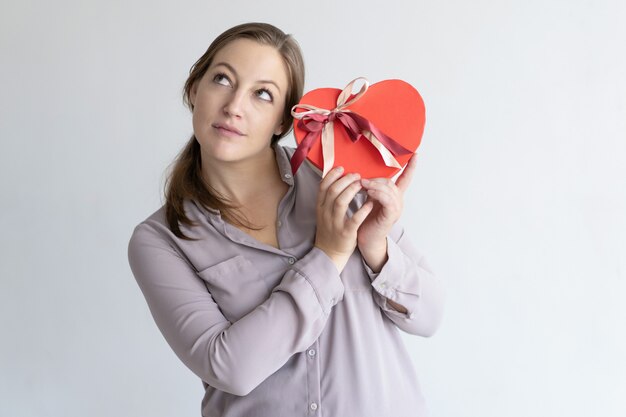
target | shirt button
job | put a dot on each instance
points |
(291, 260)
(311, 352)
(313, 406)
(332, 300)
(279, 223)
(383, 285)
(287, 176)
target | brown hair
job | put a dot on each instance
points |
(185, 180)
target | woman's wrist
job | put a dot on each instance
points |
(340, 259)
(374, 254)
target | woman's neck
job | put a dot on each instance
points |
(243, 183)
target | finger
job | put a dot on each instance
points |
(389, 203)
(359, 216)
(405, 178)
(327, 181)
(386, 193)
(341, 203)
(380, 184)
(380, 180)
(339, 186)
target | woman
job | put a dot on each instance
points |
(284, 293)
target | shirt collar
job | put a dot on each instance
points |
(284, 163)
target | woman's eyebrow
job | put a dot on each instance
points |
(230, 67)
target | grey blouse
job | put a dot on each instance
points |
(279, 332)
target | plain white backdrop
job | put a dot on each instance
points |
(519, 201)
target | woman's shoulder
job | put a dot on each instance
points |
(156, 226)
(151, 229)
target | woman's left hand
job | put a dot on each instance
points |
(388, 204)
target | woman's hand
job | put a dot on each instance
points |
(336, 232)
(388, 199)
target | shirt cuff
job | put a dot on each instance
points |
(393, 274)
(321, 273)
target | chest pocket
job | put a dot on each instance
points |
(236, 286)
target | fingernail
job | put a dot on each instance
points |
(339, 169)
(365, 181)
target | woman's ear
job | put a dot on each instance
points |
(279, 129)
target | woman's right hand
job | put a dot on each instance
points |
(336, 231)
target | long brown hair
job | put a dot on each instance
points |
(184, 181)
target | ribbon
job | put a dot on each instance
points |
(320, 122)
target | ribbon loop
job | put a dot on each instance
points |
(319, 122)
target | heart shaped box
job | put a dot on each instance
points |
(395, 107)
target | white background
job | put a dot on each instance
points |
(519, 201)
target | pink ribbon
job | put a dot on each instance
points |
(319, 122)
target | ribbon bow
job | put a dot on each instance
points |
(318, 121)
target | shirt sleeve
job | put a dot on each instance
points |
(407, 279)
(232, 357)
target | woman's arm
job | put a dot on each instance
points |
(232, 357)
(406, 289)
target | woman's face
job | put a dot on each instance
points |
(239, 102)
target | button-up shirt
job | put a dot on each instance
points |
(279, 332)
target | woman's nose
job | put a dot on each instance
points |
(234, 104)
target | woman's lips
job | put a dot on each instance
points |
(227, 131)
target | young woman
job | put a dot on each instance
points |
(284, 293)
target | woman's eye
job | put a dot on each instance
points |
(264, 94)
(221, 79)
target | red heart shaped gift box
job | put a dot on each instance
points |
(392, 107)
